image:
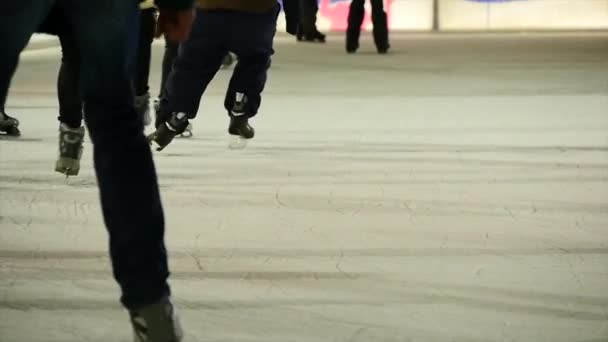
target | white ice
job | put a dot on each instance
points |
(455, 190)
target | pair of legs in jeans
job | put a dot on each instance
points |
(215, 33)
(126, 176)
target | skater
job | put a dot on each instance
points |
(307, 30)
(246, 28)
(71, 130)
(127, 180)
(168, 59)
(355, 20)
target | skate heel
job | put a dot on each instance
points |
(67, 166)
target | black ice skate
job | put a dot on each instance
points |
(239, 127)
(70, 150)
(156, 322)
(9, 125)
(176, 125)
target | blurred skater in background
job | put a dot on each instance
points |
(307, 30)
(355, 20)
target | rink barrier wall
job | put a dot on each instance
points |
(474, 15)
(454, 15)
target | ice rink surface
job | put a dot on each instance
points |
(455, 190)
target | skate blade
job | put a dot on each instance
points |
(237, 142)
(151, 140)
(68, 167)
(186, 135)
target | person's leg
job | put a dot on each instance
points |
(308, 22)
(168, 59)
(243, 97)
(355, 20)
(198, 60)
(123, 162)
(71, 132)
(68, 82)
(147, 25)
(18, 20)
(380, 26)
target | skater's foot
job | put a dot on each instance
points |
(383, 50)
(142, 106)
(9, 125)
(156, 322)
(166, 131)
(228, 60)
(239, 118)
(239, 126)
(70, 150)
(314, 37)
(351, 47)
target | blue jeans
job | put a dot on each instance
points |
(125, 171)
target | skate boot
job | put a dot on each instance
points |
(70, 150)
(156, 322)
(9, 125)
(142, 106)
(176, 125)
(228, 60)
(239, 127)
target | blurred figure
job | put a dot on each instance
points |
(355, 20)
(246, 28)
(128, 187)
(307, 30)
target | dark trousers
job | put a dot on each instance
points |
(168, 59)
(214, 33)
(355, 20)
(68, 80)
(308, 17)
(147, 25)
(126, 177)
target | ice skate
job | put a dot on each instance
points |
(9, 125)
(187, 133)
(156, 322)
(313, 37)
(142, 106)
(166, 131)
(70, 150)
(227, 61)
(239, 128)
